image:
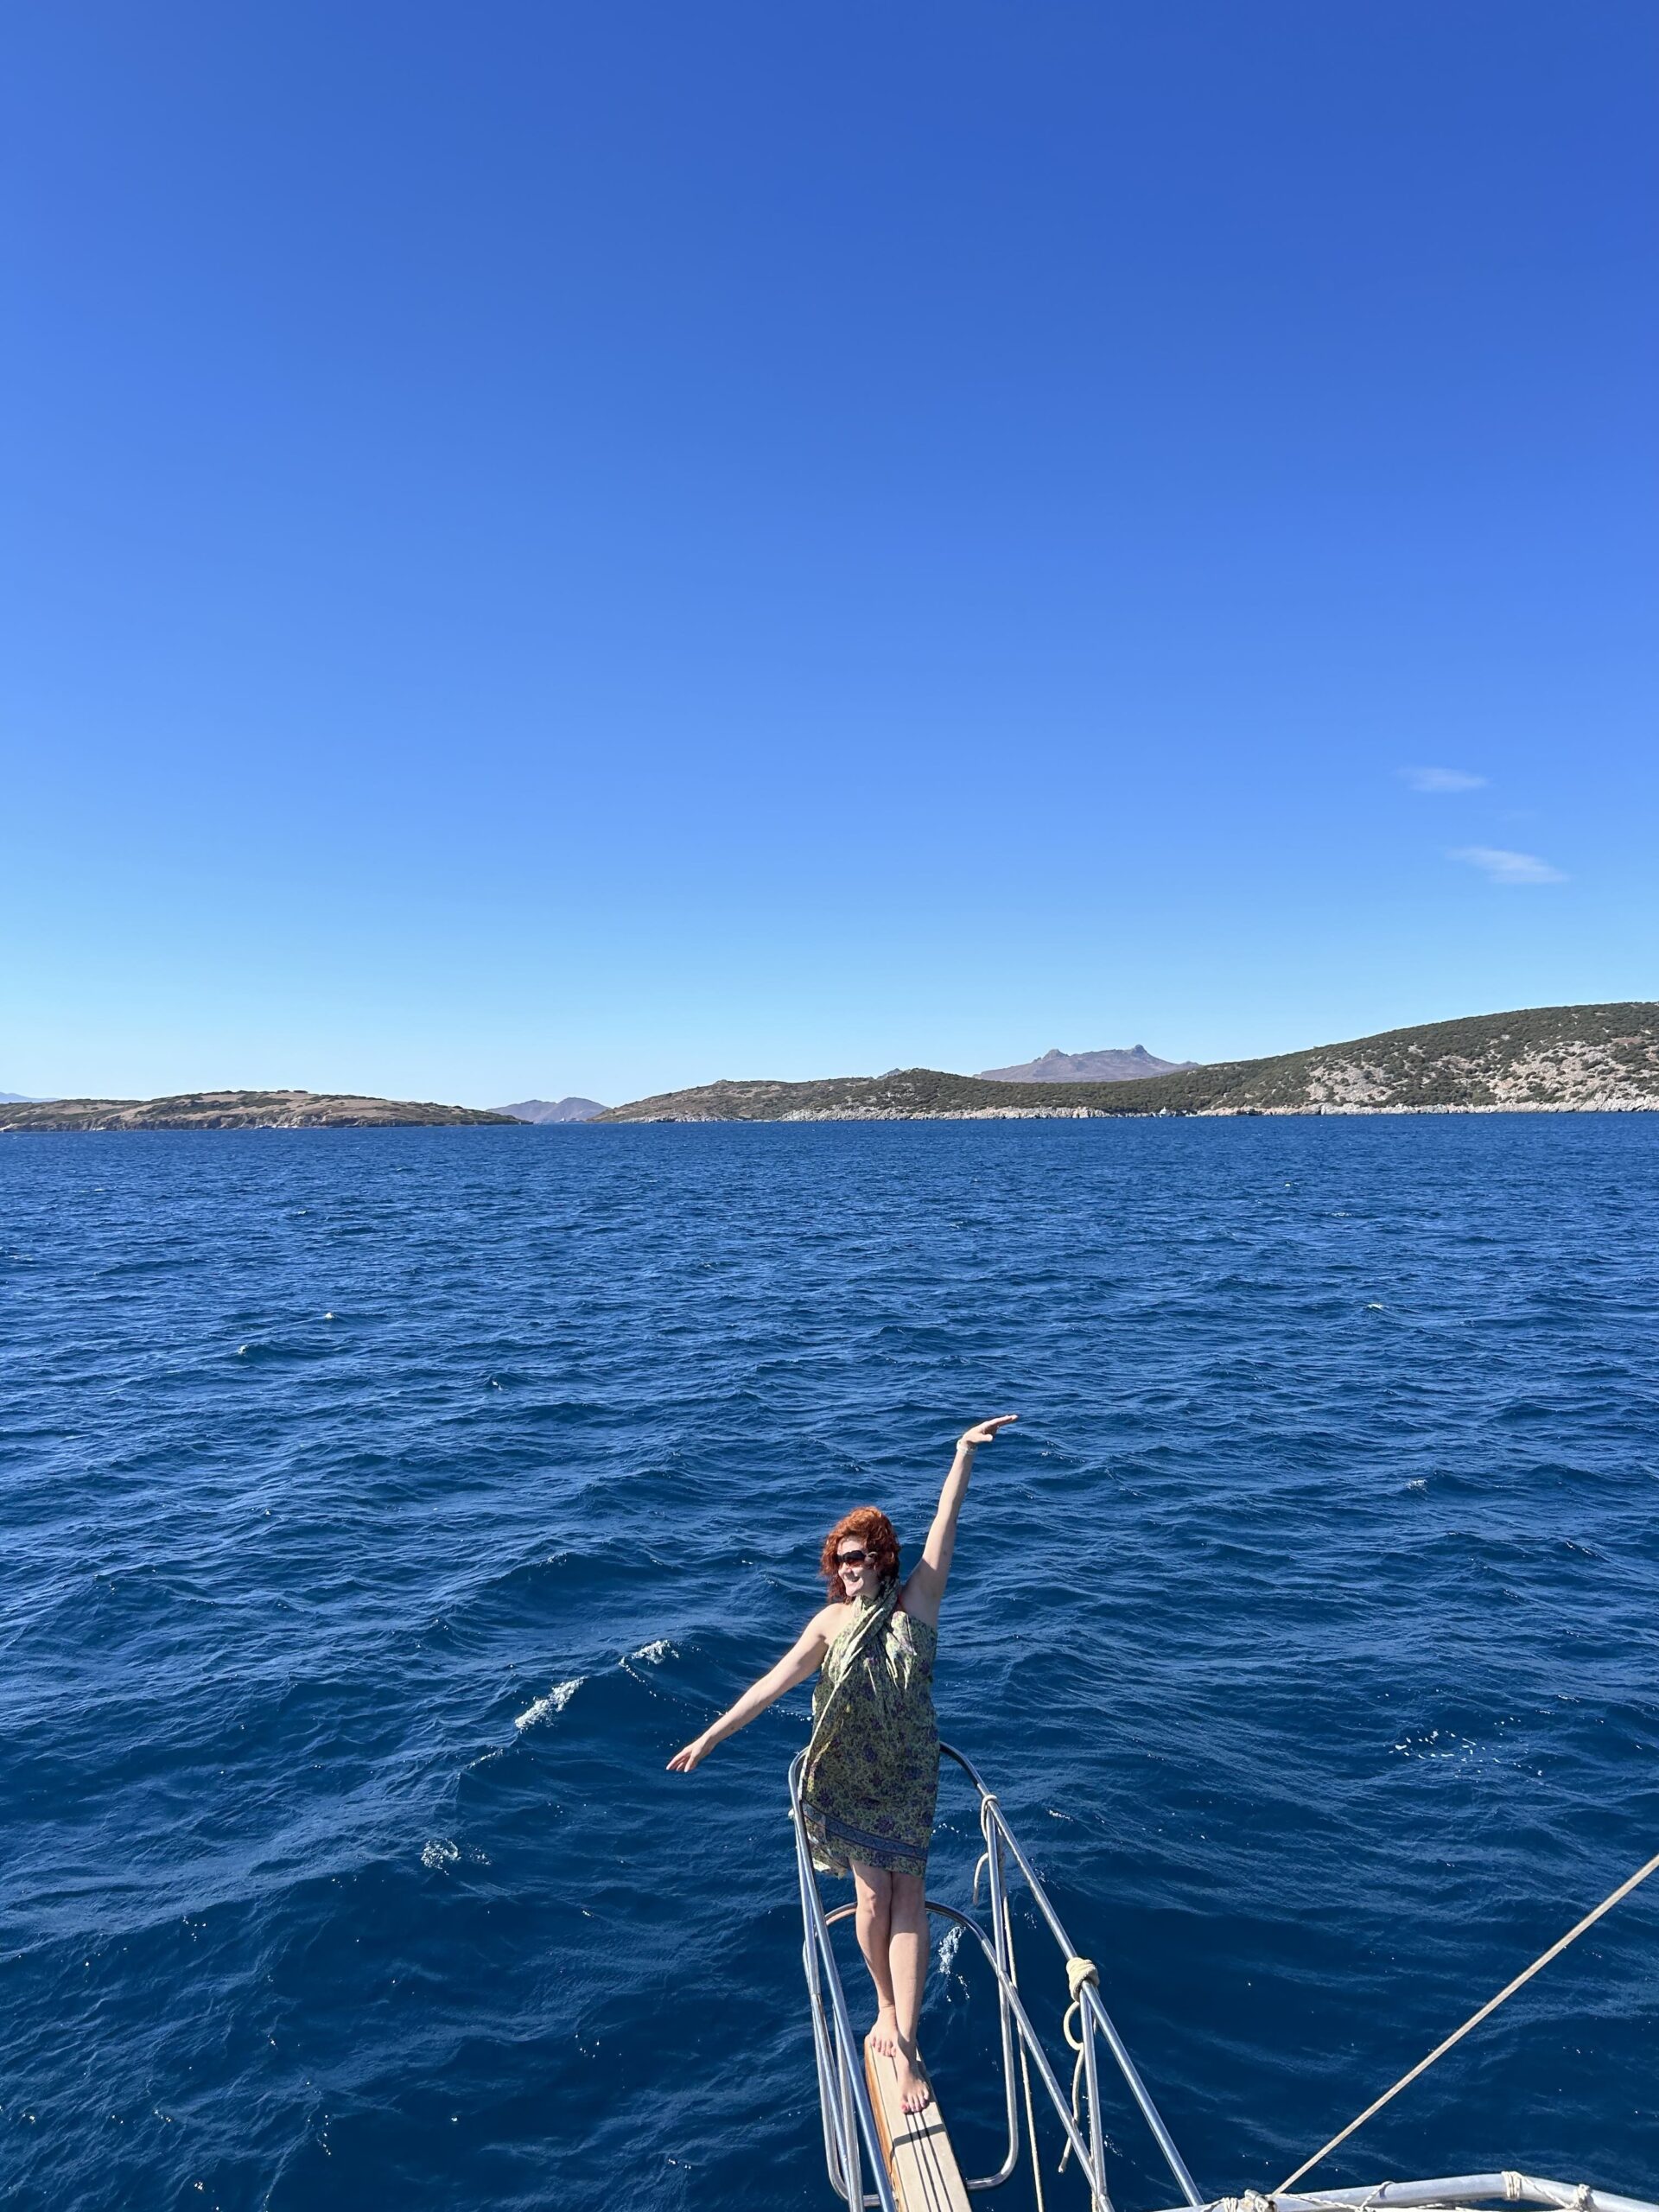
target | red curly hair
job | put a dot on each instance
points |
(874, 1531)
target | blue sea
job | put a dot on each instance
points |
(379, 1510)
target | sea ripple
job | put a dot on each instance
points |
(382, 1507)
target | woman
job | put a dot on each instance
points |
(872, 1766)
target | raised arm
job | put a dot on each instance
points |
(804, 1657)
(925, 1584)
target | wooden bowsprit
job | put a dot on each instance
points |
(859, 2146)
(915, 2146)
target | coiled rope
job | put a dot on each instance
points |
(1474, 2020)
(1078, 1972)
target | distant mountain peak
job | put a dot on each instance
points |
(1550, 1059)
(1113, 1064)
(544, 1110)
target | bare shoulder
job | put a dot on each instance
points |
(828, 1621)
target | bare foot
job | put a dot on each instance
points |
(884, 2035)
(914, 2090)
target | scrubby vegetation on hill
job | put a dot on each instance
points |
(239, 1110)
(1560, 1058)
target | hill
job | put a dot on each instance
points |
(1114, 1065)
(239, 1110)
(543, 1111)
(1558, 1059)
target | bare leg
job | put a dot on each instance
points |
(907, 1959)
(874, 1924)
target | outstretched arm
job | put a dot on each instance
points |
(928, 1577)
(804, 1657)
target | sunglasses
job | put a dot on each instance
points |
(858, 1558)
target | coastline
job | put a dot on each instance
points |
(1128, 1114)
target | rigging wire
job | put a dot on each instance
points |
(1474, 2020)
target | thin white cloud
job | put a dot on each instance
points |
(1500, 867)
(1443, 779)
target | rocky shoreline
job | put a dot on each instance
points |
(1608, 1105)
(238, 1109)
(1540, 1059)
(1575, 1059)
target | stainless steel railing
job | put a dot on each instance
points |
(849, 2130)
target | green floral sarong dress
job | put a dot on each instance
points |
(872, 1771)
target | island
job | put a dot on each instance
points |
(241, 1109)
(1540, 1059)
(549, 1113)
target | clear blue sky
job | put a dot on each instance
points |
(591, 547)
